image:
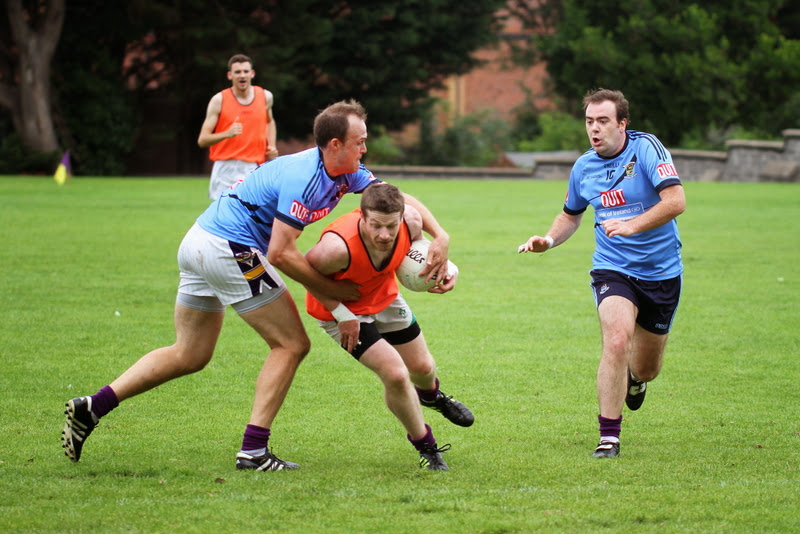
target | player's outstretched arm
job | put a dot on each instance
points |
(562, 229)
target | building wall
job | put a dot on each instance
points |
(497, 86)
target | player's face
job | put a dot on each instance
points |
(605, 133)
(241, 74)
(354, 146)
(379, 230)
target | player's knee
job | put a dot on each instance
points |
(644, 374)
(647, 377)
(395, 377)
(300, 347)
(187, 364)
(617, 344)
(423, 367)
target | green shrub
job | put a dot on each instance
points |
(560, 131)
(473, 140)
(17, 159)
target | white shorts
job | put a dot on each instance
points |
(226, 173)
(216, 273)
(396, 316)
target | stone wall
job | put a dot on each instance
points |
(744, 161)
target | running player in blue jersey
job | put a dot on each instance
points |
(230, 257)
(631, 183)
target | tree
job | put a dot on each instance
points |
(27, 50)
(684, 66)
(130, 55)
(387, 53)
(96, 112)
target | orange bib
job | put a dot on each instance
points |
(378, 287)
(251, 144)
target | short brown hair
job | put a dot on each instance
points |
(595, 96)
(382, 197)
(333, 123)
(239, 58)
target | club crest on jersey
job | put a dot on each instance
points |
(667, 170)
(341, 189)
(304, 214)
(613, 198)
(630, 170)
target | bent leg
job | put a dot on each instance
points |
(422, 369)
(419, 362)
(399, 393)
(196, 337)
(647, 355)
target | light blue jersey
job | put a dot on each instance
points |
(622, 187)
(294, 189)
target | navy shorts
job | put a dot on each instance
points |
(657, 300)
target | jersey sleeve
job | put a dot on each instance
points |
(574, 203)
(362, 179)
(290, 208)
(661, 170)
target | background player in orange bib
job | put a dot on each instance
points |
(239, 129)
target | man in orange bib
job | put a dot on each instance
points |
(239, 129)
(379, 329)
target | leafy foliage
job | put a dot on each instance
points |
(18, 158)
(469, 140)
(559, 131)
(388, 54)
(99, 113)
(683, 66)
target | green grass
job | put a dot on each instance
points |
(88, 285)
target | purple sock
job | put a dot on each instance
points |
(255, 437)
(104, 401)
(425, 441)
(429, 395)
(609, 428)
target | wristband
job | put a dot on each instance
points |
(342, 314)
(549, 241)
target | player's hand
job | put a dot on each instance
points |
(345, 290)
(235, 129)
(618, 227)
(447, 284)
(536, 243)
(436, 264)
(348, 334)
(272, 153)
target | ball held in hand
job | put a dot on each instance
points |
(413, 264)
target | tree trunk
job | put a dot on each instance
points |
(33, 113)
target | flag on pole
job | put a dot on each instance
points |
(64, 170)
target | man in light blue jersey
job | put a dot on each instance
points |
(629, 179)
(230, 257)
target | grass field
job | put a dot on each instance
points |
(88, 285)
